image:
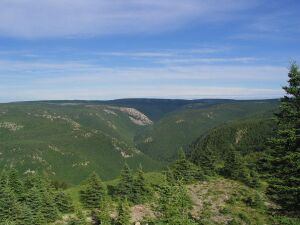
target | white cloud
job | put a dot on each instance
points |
(172, 53)
(167, 91)
(23, 80)
(72, 71)
(61, 18)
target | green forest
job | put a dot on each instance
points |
(140, 162)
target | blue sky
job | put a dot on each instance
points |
(99, 49)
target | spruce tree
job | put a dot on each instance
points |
(284, 186)
(234, 166)
(174, 205)
(8, 205)
(185, 171)
(15, 182)
(170, 176)
(140, 188)
(102, 216)
(48, 207)
(126, 184)
(94, 192)
(123, 212)
(25, 215)
(205, 158)
(3, 181)
(34, 201)
(64, 202)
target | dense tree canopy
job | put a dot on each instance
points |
(29, 200)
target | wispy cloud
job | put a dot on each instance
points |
(81, 80)
(56, 18)
(69, 71)
(167, 91)
(165, 53)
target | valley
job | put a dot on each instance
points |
(70, 139)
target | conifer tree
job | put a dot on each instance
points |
(284, 186)
(102, 216)
(174, 205)
(206, 160)
(170, 176)
(3, 181)
(64, 202)
(25, 215)
(140, 188)
(15, 182)
(185, 171)
(123, 213)
(94, 192)
(48, 207)
(34, 201)
(234, 166)
(8, 205)
(126, 184)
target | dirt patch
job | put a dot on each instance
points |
(210, 197)
(139, 212)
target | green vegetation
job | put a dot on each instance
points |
(174, 205)
(233, 149)
(31, 199)
(132, 187)
(284, 158)
(64, 202)
(221, 178)
(123, 213)
(94, 193)
(182, 170)
(179, 129)
(69, 141)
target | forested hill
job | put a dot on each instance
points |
(70, 139)
(179, 129)
(156, 109)
(247, 137)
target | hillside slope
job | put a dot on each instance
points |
(214, 201)
(177, 130)
(69, 141)
(155, 109)
(247, 137)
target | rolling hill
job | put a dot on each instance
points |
(70, 139)
(155, 109)
(163, 139)
(248, 137)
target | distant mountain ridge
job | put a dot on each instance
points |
(154, 108)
